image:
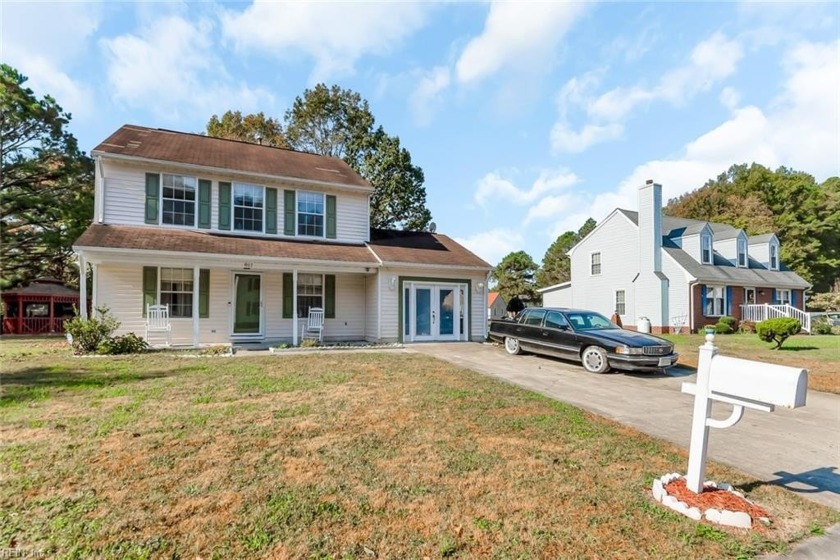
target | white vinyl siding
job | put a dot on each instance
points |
(125, 199)
(617, 241)
(371, 306)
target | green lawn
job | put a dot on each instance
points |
(820, 354)
(335, 456)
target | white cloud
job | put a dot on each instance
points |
(516, 34)
(552, 206)
(493, 245)
(426, 97)
(564, 139)
(170, 67)
(36, 41)
(494, 185)
(800, 129)
(730, 98)
(336, 35)
(711, 61)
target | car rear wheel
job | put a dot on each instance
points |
(512, 346)
(595, 359)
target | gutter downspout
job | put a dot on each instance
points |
(99, 193)
(691, 305)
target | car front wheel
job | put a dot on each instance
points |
(512, 346)
(595, 360)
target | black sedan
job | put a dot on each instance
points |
(584, 336)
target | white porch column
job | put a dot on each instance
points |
(195, 304)
(82, 286)
(294, 308)
(93, 276)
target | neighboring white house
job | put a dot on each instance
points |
(240, 239)
(677, 273)
(496, 306)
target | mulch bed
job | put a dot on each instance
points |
(716, 498)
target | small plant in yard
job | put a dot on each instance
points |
(88, 334)
(127, 344)
(747, 327)
(309, 343)
(778, 330)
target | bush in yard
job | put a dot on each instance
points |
(88, 334)
(746, 327)
(726, 325)
(778, 330)
(821, 327)
(127, 344)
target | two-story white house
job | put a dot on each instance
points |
(677, 273)
(241, 240)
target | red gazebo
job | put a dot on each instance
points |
(39, 308)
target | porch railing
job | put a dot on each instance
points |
(764, 311)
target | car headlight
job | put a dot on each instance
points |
(628, 350)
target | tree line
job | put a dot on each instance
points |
(47, 182)
(804, 214)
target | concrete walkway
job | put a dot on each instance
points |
(798, 449)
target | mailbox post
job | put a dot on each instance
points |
(741, 383)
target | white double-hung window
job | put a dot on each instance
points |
(706, 248)
(774, 256)
(595, 264)
(178, 200)
(715, 303)
(742, 252)
(248, 207)
(310, 293)
(176, 291)
(310, 214)
(783, 296)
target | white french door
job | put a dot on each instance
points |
(433, 312)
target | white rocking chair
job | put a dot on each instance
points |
(157, 321)
(314, 324)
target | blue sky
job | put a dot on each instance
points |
(527, 118)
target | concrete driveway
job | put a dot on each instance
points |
(799, 449)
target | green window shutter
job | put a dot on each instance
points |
(288, 212)
(224, 206)
(329, 296)
(270, 210)
(330, 216)
(288, 304)
(203, 293)
(152, 197)
(149, 286)
(204, 194)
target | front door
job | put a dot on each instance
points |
(433, 312)
(247, 304)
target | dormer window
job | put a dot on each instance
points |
(742, 252)
(706, 249)
(774, 256)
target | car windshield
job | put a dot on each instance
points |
(589, 321)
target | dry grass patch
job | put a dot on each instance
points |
(819, 354)
(331, 456)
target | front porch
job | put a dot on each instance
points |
(756, 313)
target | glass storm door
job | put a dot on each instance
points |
(247, 304)
(446, 312)
(423, 314)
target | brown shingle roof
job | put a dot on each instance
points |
(187, 241)
(195, 149)
(420, 247)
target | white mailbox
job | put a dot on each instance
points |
(741, 383)
(758, 382)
